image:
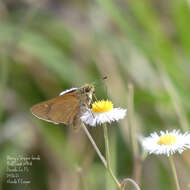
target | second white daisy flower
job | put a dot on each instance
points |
(166, 143)
(103, 112)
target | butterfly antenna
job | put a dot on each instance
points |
(98, 81)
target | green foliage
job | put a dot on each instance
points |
(46, 50)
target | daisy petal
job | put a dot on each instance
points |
(166, 143)
(94, 119)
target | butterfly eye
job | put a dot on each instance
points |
(87, 89)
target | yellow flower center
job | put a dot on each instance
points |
(167, 140)
(102, 106)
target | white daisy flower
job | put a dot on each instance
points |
(166, 143)
(102, 112)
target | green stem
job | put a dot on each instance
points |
(94, 145)
(82, 181)
(128, 180)
(106, 163)
(131, 119)
(137, 166)
(175, 99)
(108, 157)
(174, 172)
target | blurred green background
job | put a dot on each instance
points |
(47, 46)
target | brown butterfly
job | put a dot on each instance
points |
(67, 107)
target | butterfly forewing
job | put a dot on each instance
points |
(61, 109)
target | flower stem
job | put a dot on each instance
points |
(127, 180)
(137, 166)
(94, 145)
(174, 172)
(81, 179)
(175, 99)
(131, 119)
(106, 163)
(108, 157)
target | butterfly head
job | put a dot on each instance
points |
(88, 89)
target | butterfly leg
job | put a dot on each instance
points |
(87, 108)
(76, 123)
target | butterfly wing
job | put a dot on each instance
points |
(61, 109)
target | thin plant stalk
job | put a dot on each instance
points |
(127, 180)
(108, 156)
(174, 172)
(110, 185)
(131, 119)
(137, 159)
(94, 145)
(170, 88)
(81, 179)
(106, 163)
